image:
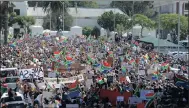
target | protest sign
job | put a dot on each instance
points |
(52, 75)
(65, 80)
(134, 100)
(31, 73)
(141, 72)
(120, 98)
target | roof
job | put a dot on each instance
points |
(154, 40)
(91, 12)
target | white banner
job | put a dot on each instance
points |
(65, 80)
(32, 72)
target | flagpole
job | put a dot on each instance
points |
(178, 26)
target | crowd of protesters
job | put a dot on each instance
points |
(38, 51)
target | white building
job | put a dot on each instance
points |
(172, 6)
(84, 16)
(89, 16)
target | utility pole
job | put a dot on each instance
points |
(132, 18)
(159, 26)
(63, 17)
(50, 14)
(179, 14)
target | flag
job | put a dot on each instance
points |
(57, 54)
(74, 86)
(13, 45)
(150, 102)
(100, 80)
(74, 94)
(164, 66)
(149, 95)
(155, 75)
(105, 66)
(4, 88)
(180, 78)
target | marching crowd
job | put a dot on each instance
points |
(107, 63)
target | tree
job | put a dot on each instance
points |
(95, 32)
(87, 31)
(4, 19)
(56, 24)
(170, 22)
(89, 4)
(106, 20)
(56, 9)
(120, 28)
(143, 21)
(140, 7)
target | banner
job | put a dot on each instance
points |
(65, 80)
(31, 73)
(114, 94)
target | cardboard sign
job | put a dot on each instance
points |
(141, 72)
(65, 80)
(52, 74)
(31, 73)
(134, 100)
(120, 98)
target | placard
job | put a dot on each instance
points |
(120, 98)
(31, 73)
(141, 72)
(65, 80)
(134, 100)
(52, 74)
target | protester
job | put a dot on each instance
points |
(120, 66)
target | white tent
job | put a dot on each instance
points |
(76, 31)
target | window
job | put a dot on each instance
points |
(17, 11)
(186, 7)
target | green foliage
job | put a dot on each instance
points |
(143, 21)
(106, 20)
(120, 28)
(140, 7)
(87, 31)
(95, 32)
(170, 22)
(23, 21)
(55, 21)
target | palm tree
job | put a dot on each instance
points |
(57, 8)
(4, 18)
(4, 11)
